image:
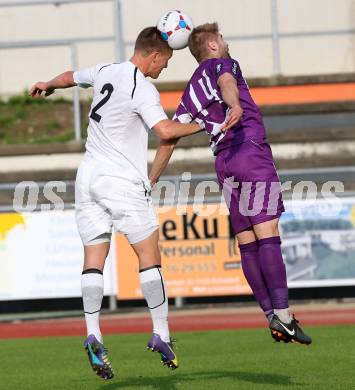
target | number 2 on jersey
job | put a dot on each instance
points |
(106, 88)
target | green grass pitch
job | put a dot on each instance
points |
(240, 359)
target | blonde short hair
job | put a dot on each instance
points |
(199, 38)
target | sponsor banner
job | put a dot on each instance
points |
(199, 256)
(318, 242)
(200, 259)
(41, 256)
(41, 253)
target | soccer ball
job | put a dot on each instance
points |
(175, 28)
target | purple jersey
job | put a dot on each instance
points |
(202, 102)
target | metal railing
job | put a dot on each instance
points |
(317, 175)
(71, 43)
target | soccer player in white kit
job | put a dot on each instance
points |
(112, 189)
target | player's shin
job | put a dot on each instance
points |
(252, 272)
(274, 273)
(154, 291)
(92, 287)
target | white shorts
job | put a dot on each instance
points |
(104, 201)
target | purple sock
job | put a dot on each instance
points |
(249, 253)
(274, 271)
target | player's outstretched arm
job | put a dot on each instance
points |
(230, 95)
(64, 80)
(167, 129)
(162, 157)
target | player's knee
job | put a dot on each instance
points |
(246, 236)
(267, 229)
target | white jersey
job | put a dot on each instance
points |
(125, 106)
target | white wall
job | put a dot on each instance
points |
(299, 56)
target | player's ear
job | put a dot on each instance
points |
(212, 45)
(155, 56)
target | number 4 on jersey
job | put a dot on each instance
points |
(106, 88)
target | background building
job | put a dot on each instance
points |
(269, 37)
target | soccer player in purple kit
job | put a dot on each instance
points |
(217, 93)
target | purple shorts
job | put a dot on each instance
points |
(250, 185)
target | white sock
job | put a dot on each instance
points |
(284, 315)
(92, 288)
(154, 291)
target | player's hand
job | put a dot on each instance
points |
(152, 183)
(37, 89)
(233, 116)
